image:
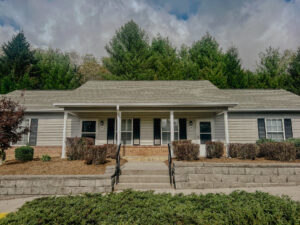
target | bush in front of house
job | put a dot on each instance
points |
(214, 149)
(261, 152)
(111, 151)
(185, 150)
(243, 151)
(95, 154)
(46, 158)
(128, 207)
(281, 151)
(76, 147)
(296, 142)
(24, 153)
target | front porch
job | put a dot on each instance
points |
(146, 131)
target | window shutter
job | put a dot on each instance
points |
(261, 128)
(288, 128)
(136, 131)
(156, 129)
(182, 129)
(110, 130)
(33, 132)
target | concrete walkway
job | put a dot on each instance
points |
(293, 192)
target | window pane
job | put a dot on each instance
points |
(204, 138)
(89, 126)
(165, 138)
(176, 125)
(24, 138)
(129, 126)
(205, 127)
(123, 125)
(275, 136)
(165, 125)
(126, 138)
(88, 135)
(176, 134)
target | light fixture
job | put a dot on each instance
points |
(101, 123)
(191, 123)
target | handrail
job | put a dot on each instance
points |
(170, 163)
(118, 168)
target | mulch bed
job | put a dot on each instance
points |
(56, 166)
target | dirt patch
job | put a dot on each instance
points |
(235, 160)
(56, 166)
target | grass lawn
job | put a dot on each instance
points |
(133, 207)
(56, 166)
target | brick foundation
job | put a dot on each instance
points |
(144, 151)
(53, 151)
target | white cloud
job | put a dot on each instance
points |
(87, 25)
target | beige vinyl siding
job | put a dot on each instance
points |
(243, 126)
(219, 128)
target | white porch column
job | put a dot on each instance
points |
(226, 133)
(63, 152)
(172, 129)
(118, 126)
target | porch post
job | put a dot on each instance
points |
(63, 152)
(226, 133)
(118, 126)
(172, 129)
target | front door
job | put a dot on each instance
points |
(205, 135)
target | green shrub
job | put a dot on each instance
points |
(264, 140)
(243, 151)
(95, 154)
(262, 150)
(132, 207)
(46, 158)
(296, 142)
(24, 153)
(214, 149)
(76, 147)
(111, 151)
(185, 150)
(282, 151)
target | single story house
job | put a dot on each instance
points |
(150, 114)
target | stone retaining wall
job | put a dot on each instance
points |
(55, 184)
(199, 175)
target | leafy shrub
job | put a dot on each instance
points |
(95, 154)
(214, 149)
(264, 140)
(243, 151)
(24, 153)
(128, 207)
(185, 150)
(261, 152)
(76, 147)
(111, 151)
(282, 151)
(46, 158)
(296, 142)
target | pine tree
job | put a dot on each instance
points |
(294, 71)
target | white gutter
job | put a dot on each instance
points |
(264, 110)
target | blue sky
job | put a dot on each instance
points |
(86, 26)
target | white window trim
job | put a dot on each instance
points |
(161, 131)
(96, 132)
(283, 127)
(28, 134)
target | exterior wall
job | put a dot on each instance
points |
(219, 128)
(243, 126)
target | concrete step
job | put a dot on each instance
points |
(144, 179)
(145, 158)
(142, 186)
(145, 172)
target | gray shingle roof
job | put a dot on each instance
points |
(158, 92)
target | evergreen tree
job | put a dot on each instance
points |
(294, 71)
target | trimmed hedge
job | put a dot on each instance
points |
(132, 207)
(214, 149)
(185, 150)
(24, 153)
(296, 142)
(111, 151)
(243, 151)
(76, 147)
(95, 154)
(282, 151)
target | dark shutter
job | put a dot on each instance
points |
(288, 128)
(182, 129)
(156, 134)
(110, 130)
(33, 132)
(261, 128)
(136, 131)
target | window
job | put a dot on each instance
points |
(88, 129)
(274, 129)
(126, 131)
(165, 130)
(25, 137)
(205, 132)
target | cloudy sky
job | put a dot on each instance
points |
(87, 25)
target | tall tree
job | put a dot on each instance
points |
(233, 69)
(294, 71)
(128, 53)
